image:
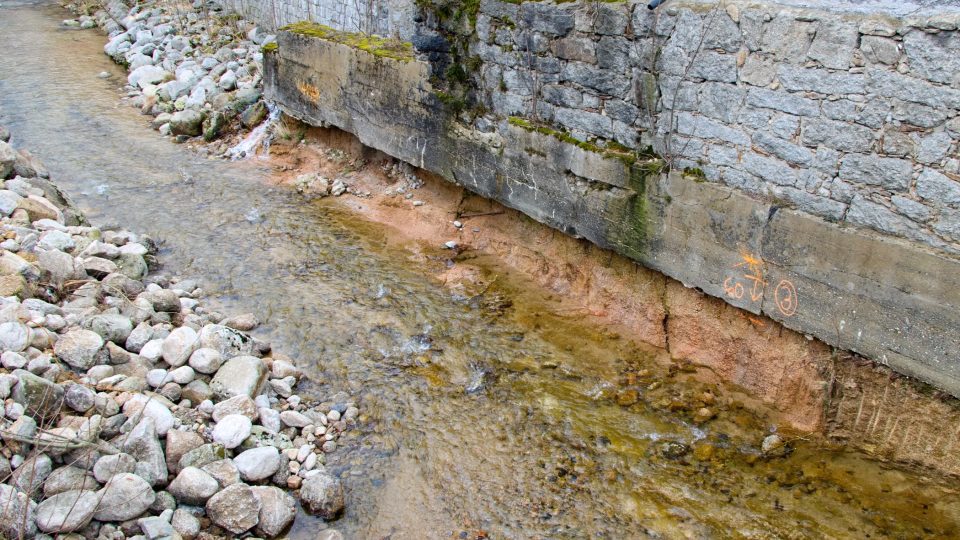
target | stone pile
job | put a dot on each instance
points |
(196, 72)
(129, 409)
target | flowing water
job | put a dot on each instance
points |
(482, 414)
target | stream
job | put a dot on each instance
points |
(483, 415)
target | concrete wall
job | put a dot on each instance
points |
(829, 199)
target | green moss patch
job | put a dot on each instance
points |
(375, 45)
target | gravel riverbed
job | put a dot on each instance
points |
(129, 409)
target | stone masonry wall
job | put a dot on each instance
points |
(849, 117)
(847, 112)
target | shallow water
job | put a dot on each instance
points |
(481, 414)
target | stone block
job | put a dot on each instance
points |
(799, 79)
(934, 57)
(834, 43)
(934, 147)
(589, 122)
(875, 216)
(938, 189)
(948, 225)
(870, 169)
(721, 101)
(562, 96)
(824, 207)
(871, 113)
(722, 33)
(714, 66)
(879, 50)
(783, 149)
(550, 19)
(782, 101)
(891, 84)
(615, 53)
(918, 115)
(769, 169)
(914, 210)
(758, 70)
(621, 111)
(705, 128)
(607, 82)
(837, 135)
(610, 19)
(576, 48)
(786, 38)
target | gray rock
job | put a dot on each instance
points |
(68, 478)
(322, 494)
(9, 201)
(163, 300)
(891, 173)
(18, 513)
(132, 265)
(142, 406)
(206, 361)
(257, 463)
(879, 50)
(241, 404)
(193, 486)
(79, 398)
(139, 337)
(295, 419)
(938, 188)
(39, 396)
(112, 464)
(125, 497)
(61, 266)
(142, 443)
(188, 122)
(837, 135)
(277, 510)
(232, 430)
(145, 75)
(242, 375)
(834, 43)
(112, 327)
(66, 512)
(196, 391)
(8, 158)
(253, 115)
(185, 523)
(179, 443)
(179, 345)
(202, 455)
(56, 240)
(14, 336)
(224, 471)
(158, 527)
(226, 341)
(270, 419)
(236, 508)
(79, 348)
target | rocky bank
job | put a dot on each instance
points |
(196, 71)
(129, 409)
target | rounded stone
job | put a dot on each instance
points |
(232, 430)
(67, 511)
(206, 361)
(322, 494)
(236, 508)
(193, 486)
(125, 496)
(79, 348)
(258, 463)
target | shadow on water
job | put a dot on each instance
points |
(478, 415)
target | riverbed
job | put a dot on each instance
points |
(485, 412)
